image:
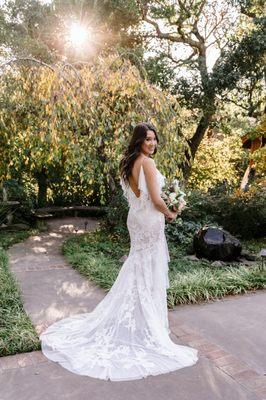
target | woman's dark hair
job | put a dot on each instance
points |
(134, 148)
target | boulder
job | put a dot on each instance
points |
(216, 244)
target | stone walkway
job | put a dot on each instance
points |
(229, 335)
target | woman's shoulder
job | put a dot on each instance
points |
(148, 162)
(149, 167)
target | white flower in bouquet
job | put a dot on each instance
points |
(174, 196)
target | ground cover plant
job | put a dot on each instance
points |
(97, 256)
(17, 334)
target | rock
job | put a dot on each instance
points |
(246, 262)
(218, 264)
(262, 253)
(249, 256)
(216, 244)
(123, 258)
(192, 257)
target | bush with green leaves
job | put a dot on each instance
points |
(68, 129)
(116, 214)
(181, 231)
(242, 213)
(219, 160)
(23, 192)
(197, 213)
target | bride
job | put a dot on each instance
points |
(126, 336)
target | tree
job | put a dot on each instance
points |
(220, 158)
(182, 34)
(196, 26)
(32, 29)
(67, 126)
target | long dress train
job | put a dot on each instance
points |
(126, 336)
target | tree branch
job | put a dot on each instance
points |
(181, 38)
(181, 62)
(21, 59)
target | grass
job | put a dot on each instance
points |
(96, 255)
(255, 245)
(17, 334)
(7, 239)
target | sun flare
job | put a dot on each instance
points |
(78, 34)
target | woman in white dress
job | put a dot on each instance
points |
(126, 336)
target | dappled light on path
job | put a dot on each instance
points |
(52, 290)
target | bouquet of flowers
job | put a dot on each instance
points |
(173, 195)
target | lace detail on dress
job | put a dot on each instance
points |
(126, 336)
(144, 198)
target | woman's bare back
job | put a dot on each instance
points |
(134, 177)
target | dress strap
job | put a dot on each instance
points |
(142, 185)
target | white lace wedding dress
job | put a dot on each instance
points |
(126, 336)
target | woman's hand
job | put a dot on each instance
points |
(180, 207)
(172, 216)
(176, 211)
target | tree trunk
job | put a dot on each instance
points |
(196, 139)
(42, 180)
(244, 181)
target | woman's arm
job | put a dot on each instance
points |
(154, 191)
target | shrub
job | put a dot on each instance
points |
(199, 212)
(24, 193)
(70, 137)
(182, 231)
(116, 214)
(243, 213)
(219, 159)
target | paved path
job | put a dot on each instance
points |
(228, 334)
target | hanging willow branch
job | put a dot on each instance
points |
(27, 59)
(58, 70)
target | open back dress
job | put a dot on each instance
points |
(126, 336)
